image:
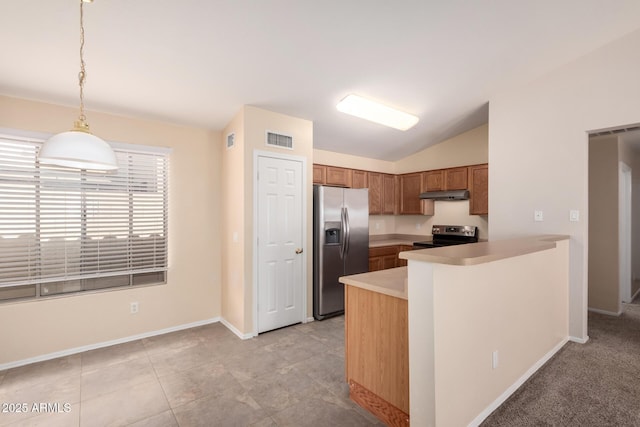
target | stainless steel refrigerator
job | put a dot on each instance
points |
(340, 244)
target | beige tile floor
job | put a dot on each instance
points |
(203, 376)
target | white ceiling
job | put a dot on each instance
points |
(196, 62)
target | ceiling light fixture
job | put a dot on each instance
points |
(79, 148)
(376, 112)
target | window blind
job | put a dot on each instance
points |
(64, 225)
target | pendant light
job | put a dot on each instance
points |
(79, 148)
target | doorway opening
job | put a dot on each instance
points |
(614, 218)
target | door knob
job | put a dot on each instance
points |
(299, 250)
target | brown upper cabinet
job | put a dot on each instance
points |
(389, 194)
(382, 193)
(374, 180)
(411, 185)
(332, 175)
(400, 194)
(433, 180)
(359, 179)
(479, 190)
(339, 177)
(410, 189)
(456, 178)
(319, 174)
(446, 179)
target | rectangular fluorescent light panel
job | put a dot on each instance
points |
(375, 112)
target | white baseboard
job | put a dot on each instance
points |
(579, 340)
(235, 330)
(508, 392)
(83, 348)
(635, 294)
(608, 313)
(309, 319)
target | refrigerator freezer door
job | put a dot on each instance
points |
(356, 203)
(328, 293)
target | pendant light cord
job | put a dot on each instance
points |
(82, 74)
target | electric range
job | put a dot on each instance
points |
(448, 235)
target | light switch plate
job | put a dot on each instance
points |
(574, 215)
(538, 216)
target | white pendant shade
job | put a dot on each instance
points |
(78, 149)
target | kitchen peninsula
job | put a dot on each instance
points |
(481, 318)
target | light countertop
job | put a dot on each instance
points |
(392, 282)
(397, 239)
(483, 252)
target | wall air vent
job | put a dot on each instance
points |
(231, 140)
(279, 140)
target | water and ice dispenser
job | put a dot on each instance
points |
(332, 233)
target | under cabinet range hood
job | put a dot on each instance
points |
(446, 195)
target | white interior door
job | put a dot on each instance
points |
(280, 281)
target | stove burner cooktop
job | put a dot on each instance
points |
(448, 235)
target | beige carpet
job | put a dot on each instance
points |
(636, 300)
(592, 384)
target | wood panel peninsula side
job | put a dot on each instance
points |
(466, 324)
(376, 343)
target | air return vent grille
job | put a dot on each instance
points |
(231, 140)
(279, 140)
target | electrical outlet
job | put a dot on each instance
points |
(494, 359)
(134, 307)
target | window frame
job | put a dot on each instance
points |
(38, 288)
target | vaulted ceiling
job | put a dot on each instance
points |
(196, 62)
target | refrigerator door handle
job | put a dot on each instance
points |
(347, 238)
(342, 233)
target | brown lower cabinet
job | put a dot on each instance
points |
(377, 353)
(403, 248)
(384, 257)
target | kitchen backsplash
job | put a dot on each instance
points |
(446, 213)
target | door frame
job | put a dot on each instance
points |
(257, 154)
(624, 231)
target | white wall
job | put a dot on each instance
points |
(250, 126)
(468, 148)
(538, 149)
(332, 158)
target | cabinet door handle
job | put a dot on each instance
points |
(299, 250)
